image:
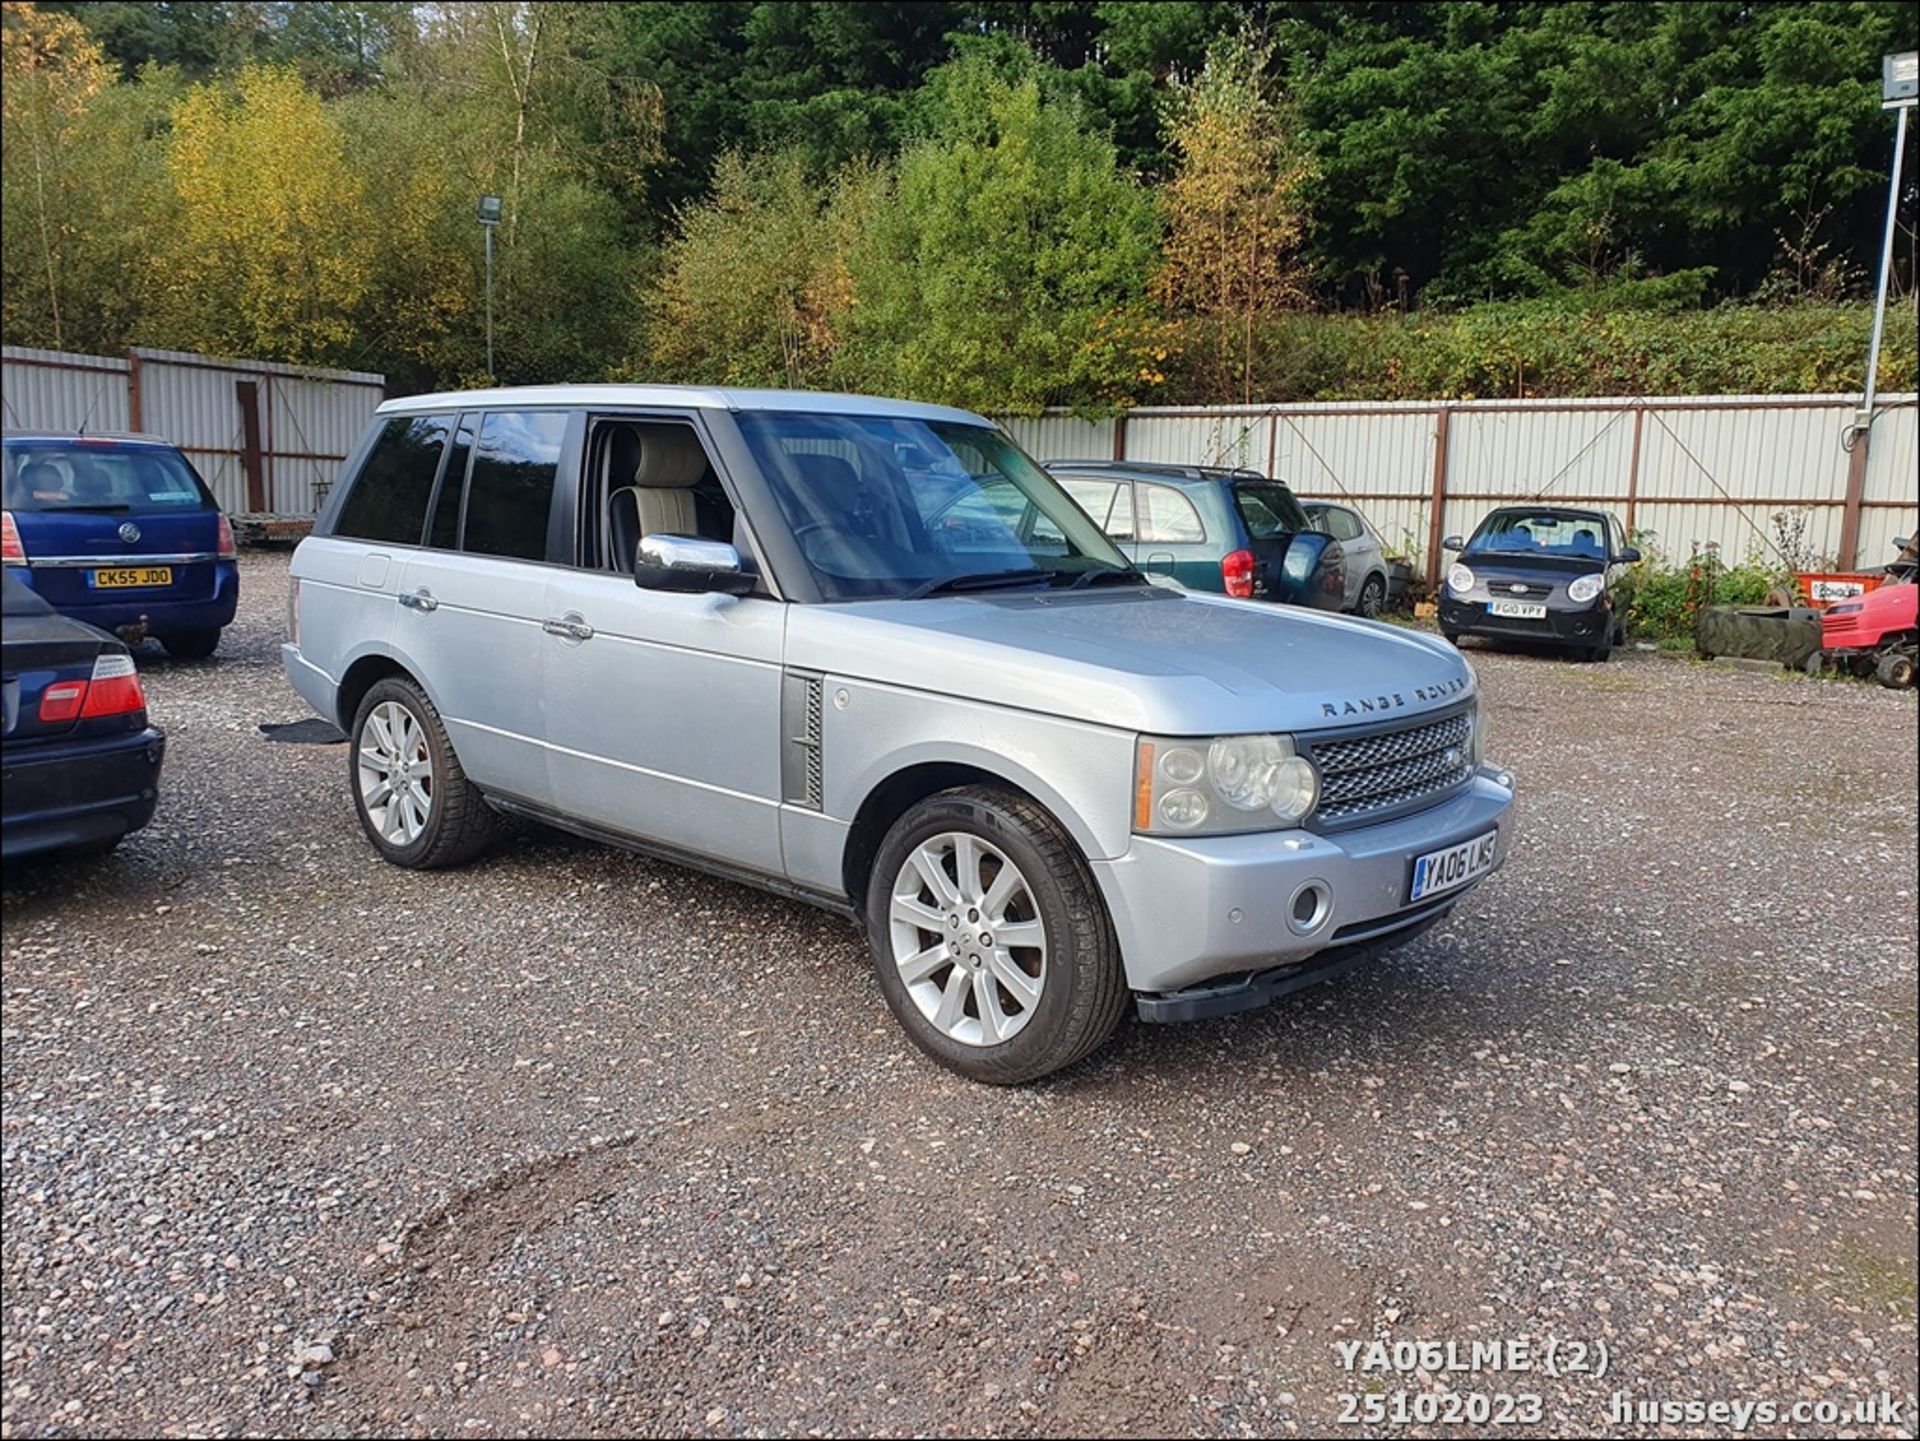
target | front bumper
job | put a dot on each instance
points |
(1193, 911)
(1563, 624)
(73, 793)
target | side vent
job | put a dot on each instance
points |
(800, 730)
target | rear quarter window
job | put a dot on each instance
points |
(75, 475)
(1166, 516)
(388, 502)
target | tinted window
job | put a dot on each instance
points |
(510, 491)
(1341, 524)
(100, 475)
(1167, 516)
(445, 532)
(388, 501)
(1269, 511)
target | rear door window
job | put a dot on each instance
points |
(444, 533)
(102, 476)
(1270, 511)
(516, 457)
(1167, 517)
(388, 502)
(1095, 497)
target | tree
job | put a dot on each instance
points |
(1008, 268)
(265, 257)
(1234, 208)
(82, 185)
(753, 285)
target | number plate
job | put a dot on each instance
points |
(1518, 609)
(1449, 869)
(131, 578)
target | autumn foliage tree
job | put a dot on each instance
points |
(1234, 208)
(264, 256)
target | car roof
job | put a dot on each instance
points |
(1162, 471)
(680, 397)
(1585, 510)
(109, 437)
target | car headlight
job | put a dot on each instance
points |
(1459, 579)
(1221, 785)
(1584, 588)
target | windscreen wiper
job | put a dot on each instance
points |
(982, 580)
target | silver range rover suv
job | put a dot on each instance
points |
(868, 654)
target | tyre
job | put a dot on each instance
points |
(1895, 670)
(1373, 598)
(1452, 636)
(192, 644)
(1595, 654)
(989, 938)
(415, 802)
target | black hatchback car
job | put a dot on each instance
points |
(1540, 573)
(79, 765)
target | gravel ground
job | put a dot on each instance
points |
(573, 1142)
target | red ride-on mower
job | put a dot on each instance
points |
(1875, 634)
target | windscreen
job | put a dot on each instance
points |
(1571, 534)
(887, 506)
(99, 475)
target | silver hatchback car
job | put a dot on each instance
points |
(868, 654)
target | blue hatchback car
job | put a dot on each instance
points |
(121, 532)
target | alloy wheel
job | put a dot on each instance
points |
(396, 773)
(968, 939)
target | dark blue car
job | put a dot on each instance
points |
(120, 531)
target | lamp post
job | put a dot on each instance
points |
(1899, 92)
(489, 216)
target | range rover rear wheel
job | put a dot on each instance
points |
(415, 802)
(989, 938)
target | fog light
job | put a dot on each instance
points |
(1312, 903)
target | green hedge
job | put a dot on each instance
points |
(1583, 346)
(1662, 603)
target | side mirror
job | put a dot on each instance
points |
(1900, 542)
(1630, 556)
(689, 565)
(1453, 542)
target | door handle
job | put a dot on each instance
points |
(571, 626)
(420, 600)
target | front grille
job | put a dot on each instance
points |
(1367, 776)
(1518, 589)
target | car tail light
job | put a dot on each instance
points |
(62, 700)
(115, 689)
(1236, 569)
(225, 544)
(11, 550)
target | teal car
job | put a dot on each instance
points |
(1235, 532)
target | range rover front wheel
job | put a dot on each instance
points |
(414, 801)
(989, 938)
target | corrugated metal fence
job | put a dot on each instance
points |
(269, 438)
(1684, 470)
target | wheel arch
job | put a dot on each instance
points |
(365, 672)
(902, 789)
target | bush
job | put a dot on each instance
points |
(1589, 344)
(1663, 602)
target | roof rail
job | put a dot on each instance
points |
(1167, 468)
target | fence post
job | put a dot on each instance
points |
(1120, 436)
(1633, 468)
(1856, 491)
(1437, 520)
(247, 392)
(135, 421)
